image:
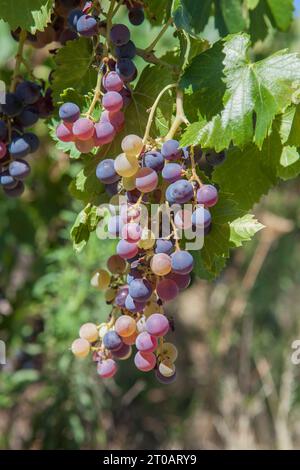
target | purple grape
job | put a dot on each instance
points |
(126, 95)
(28, 92)
(214, 158)
(134, 306)
(157, 324)
(117, 119)
(127, 250)
(112, 101)
(136, 16)
(172, 172)
(207, 195)
(19, 147)
(167, 289)
(16, 191)
(69, 112)
(140, 290)
(3, 131)
(13, 105)
(182, 280)
(201, 217)
(28, 117)
(7, 180)
(112, 341)
(19, 169)
(87, 26)
(153, 160)
(112, 82)
(104, 133)
(121, 296)
(112, 189)
(164, 246)
(126, 70)
(180, 192)
(67, 35)
(170, 150)
(32, 140)
(122, 352)
(128, 51)
(70, 3)
(119, 34)
(182, 262)
(105, 171)
(165, 380)
(73, 18)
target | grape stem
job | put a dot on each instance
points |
(153, 109)
(96, 97)
(180, 117)
(19, 56)
(174, 230)
(195, 177)
(151, 47)
(151, 58)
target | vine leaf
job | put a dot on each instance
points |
(85, 223)
(258, 90)
(243, 229)
(30, 15)
(74, 68)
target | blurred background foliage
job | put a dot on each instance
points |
(237, 386)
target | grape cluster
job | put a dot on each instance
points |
(22, 109)
(146, 272)
(116, 73)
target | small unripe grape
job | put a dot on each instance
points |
(89, 332)
(169, 351)
(123, 353)
(167, 368)
(129, 183)
(150, 309)
(110, 295)
(126, 166)
(125, 326)
(132, 145)
(145, 342)
(103, 329)
(157, 325)
(145, 361)
(80, 347)
(107, 368)
(101, 279)
(147, 240)
(83, 129)
(161, 264)
(116, 264)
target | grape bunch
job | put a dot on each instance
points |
(22, 109)
(146, 272)
(116, 73)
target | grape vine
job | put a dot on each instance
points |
(195, 137)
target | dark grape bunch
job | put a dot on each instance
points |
(117, 72)
(23, 108)
(146, 272)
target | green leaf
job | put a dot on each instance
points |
(282, 11)
(30, 15)
(190, 15)
(289, 156)
(192, 134)
(243, 229)
(157, 11)
(86, 186)
(251, 4)
(232, 12)
(85, 223)
(261, 90)
(290, 126)
(74, 68)
(289, 164)
(250, 173)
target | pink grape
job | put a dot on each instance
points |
(167, 290)
(85, 146)
(183, 219)
(112, 82)
(107, 368)
(207, 195)
(161, 264)
(125, 326)
(145, 361)
(127, 250)
(3, 150)
(104, 133)
(157, 324)
(182, 262)
(64, 133)
(146, 180)
(117, 120)
(145, 342)
(83, 129)
(132, 232)
(112, 101)
(130, 213)
(182, 280)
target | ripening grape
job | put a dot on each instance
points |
(157, 324)
(100, 279)
(165, 380)
(167, 290)
(89, 332)
(107, 368)
(120, 297)
(170, 150)
(64, 133)
(117, 120)
(145, 361)
(104, 133)
(80, 347)
(182, 262)
(112, 341)
(125, 326)
(123, 353)
(147, 240)
(164, 246)
(132, 232)
(32, 140)
(183, 219)
(130, 340)
(83, 129)
(167, 368)
(126, 166)
(7, 180)
(69, 112)
(172, 172)
(161, 264)
(87, 26)
(85, 146)
(119, 34)
(103, 329)
(28, 117)
(201, 217)
(12, 106)
(127, 250)
(182, 280)
(133, 305)
(169, 351)
(129, 183)
(3, 150)
(154, 160)
(130, 213)
(132, 145)
(110, 295)
(145, 342)
(116, 264)
(140, 290)
(112, 82)
(112, 101)
(146, 180)
(207, 195)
